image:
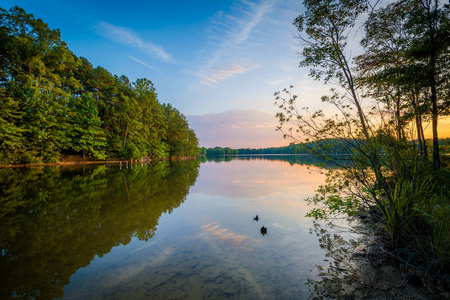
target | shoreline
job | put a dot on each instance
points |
(366, 270)
(91, 162)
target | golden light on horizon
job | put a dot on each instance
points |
(443, 129)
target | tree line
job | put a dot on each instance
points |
(53, 102)
(326, 146)
(300, 148)
(382, 99)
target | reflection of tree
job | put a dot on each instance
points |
(302, 159)
(54, 222)
(334, 278)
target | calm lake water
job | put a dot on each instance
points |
(167, 231)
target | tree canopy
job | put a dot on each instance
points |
(53, 102)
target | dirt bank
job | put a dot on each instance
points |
(364, 270)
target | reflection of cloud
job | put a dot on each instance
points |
(237, 129)
(129, 37)
(224, 234)
(241, 179)
(128, 272)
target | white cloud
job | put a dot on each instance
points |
(143, 63)
(228, 34)
(254, 18)
(128, 37)
(283, 80)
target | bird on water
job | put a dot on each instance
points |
(263, 230)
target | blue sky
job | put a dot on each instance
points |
(218, 62)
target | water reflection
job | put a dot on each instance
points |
(258, 177)
(106, 232)
(54, 221)
(300, 159)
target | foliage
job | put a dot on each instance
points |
(402, 79)
(86, 132)
(53, 101)
(180, 140)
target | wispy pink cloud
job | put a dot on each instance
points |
(211, 80)
(206, 83)
(223, 74)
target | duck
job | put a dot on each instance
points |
(256, 218)
(263, 230)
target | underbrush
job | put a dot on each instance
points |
(412, 208)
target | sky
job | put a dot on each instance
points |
(218, 62)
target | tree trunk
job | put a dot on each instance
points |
(397, 116)
(125, 139)
(436, 160)
(424, 141)
(432, 78)
(419, 127)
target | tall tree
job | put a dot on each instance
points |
(389, 75)
(36, 71)
(428, 22)
(154, 126)
(85, 127)
(179, 138)
(324, 30)
(11, 133)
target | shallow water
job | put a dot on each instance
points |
(167, 231)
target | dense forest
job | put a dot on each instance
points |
(54, 103)
(381, 100)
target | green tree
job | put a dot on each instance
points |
(53, 101)
(33, 65)
(180, 139)
(11, 134)
(383, 175)
(154, 126)
(86, 132)
(324, 29)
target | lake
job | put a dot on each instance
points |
(170, 230)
